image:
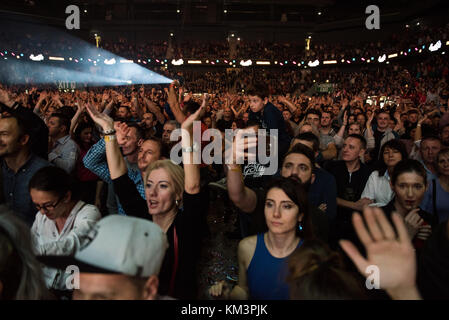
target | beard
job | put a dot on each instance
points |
(305, 184)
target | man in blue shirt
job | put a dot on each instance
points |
(19, 165)
(65, 151)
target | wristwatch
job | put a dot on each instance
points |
(193, 148)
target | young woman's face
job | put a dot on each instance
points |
(410, 188)
(160, 192)
(49, 204)
(391, 157)
(281, 213)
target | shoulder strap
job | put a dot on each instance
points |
(175, 264)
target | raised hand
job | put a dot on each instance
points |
(103, 120)
(392, 254)
(413, 222)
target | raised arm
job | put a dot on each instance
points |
(116, 162)
(74, 123)
(174, 104)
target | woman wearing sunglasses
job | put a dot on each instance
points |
(61, 222)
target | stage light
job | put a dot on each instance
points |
(177, 62)
(110, 61)
(314, 63)
(56, 58)
(263, 62)
(126, 61)
(382, 58)
(178, 11)
(332, 61)
(225, 11)
(363, 59)
(194, 61)
(435, 47)
(39, 57)
(394, 55)
(246, 63)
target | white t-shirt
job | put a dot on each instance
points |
(48, 241)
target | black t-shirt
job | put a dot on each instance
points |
(222, 124)
(349, 185)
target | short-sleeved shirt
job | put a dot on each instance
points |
(15, 187)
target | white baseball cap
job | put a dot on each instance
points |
(117, 244)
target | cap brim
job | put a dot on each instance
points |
(62, 262)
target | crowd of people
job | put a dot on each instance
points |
(363, 179)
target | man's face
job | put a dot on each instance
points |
(256, 103)
(227, 114)
(54, 128)
(325, 119)
(413, 117)
(149, 152)
(313, 119)
(352, 149)
(382, 120)
(287, 115)
(148, 120)
(122, 113)
(168, 129)
(429, 150)
(9, 137)
(445, 136)
(246, 116)
(297, 166)
(99, 286)
(130, 145)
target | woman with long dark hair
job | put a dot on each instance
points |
(263, 257)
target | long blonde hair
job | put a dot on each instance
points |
(175, 172)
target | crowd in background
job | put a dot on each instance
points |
(81, 166)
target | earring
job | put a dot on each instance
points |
(300, 226)
(177, 203)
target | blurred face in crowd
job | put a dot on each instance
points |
(281, 213)
(443, 164)
(361, 120)
(148, 120)
(123, 113)
(409, 188)
(168, 129)
(306, 128)
(208, 122)
(49, 204)
(216, 105)
(149, 152)
(134, 112)
(298, 166)
(445, 136)
(234, 125)
(352, 149)
(10, 140)
(246, 117)
(336, 109)
(413, 117)
(256, 103)
(49, 111)
(160, 192)
(354, 129)
(436, 121)
(313, 119)
(131, 144)
(429, 150)
(287, 115)
(54, 128)
(86, 135)
(351, 119)
(404, 117)
(326, 119)
(103, 286)
(391, 157)
(383, 120)
(227, 114)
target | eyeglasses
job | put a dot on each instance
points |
(48, 207)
